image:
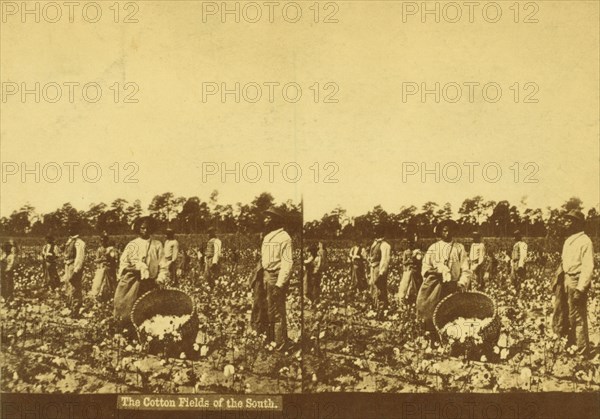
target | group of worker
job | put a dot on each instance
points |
(164, 262)
(446, 267)
(427, 278)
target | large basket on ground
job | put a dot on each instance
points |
(473, 304)
(166, 302)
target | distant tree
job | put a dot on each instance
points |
(194, 216)
(18, 223)
(165, 207)
(593, 222)
(94, 213)
(470, 213)
(133, 211)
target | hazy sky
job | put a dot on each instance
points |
(372, 135)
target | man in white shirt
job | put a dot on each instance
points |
(577, 266)
(171, 254)
(276, 260)
(74, 255)
(517, 265)
(476, 259)
(212, 256)
(379, 261)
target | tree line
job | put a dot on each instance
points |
(490, 218)
(185, 215)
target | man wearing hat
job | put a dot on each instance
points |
(517, 265)
(276, 260)
(379, 261)
(171, 254)
(74, 255)
(445, 270)
(573, 283)
(212, 255)
(476, 259)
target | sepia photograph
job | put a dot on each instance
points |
(498, 298)
(185, 296)
(300, 209)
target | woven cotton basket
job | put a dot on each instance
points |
(166, 302)
(473, 304)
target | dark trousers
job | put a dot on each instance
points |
(51, 275)
(173, 273)
(577, 313)
(211, 272)
(74, 288)
(312, 286)
(259, 317)
(7, 285)
(277, 327)
(379, 289)
(359, 277)
(517, 276)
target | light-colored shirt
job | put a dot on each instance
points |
(448, 258)
(578, 259)
(276, 255)
(476, 254)
(143, 255)
(171, 250)
(385, 249)
(218, 247)
(521, 248)
(79, 252)
(356, 252)
(49, 252)
(134, 253)
(8, 261)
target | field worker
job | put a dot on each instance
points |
(517, 261)
(7, 267)
(183, 262)
(477, 259)
(200, 259)
(171, 254)
(379, 261)
(322, 252)
(50, 256)
(358, 266)
(212, 257)
(445, 270)
(412, 260)
(574, 283)
(14, 250)
(312, 274)
(74, 255)
(139, 269)
(105, 278)
(276, 259)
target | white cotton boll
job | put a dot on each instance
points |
(525, 374)
(229, 370)
(203, 350)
